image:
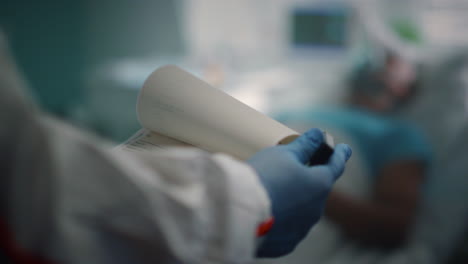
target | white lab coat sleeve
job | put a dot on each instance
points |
(212, 204)
(179, 205)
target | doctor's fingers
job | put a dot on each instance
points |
(331, 171)
(305, 146)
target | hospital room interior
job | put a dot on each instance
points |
(388, 77)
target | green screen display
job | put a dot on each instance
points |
(319, 28)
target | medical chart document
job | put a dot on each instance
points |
(176, 108)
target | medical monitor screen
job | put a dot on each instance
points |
(319, 28)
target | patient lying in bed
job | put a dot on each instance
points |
(372, 209)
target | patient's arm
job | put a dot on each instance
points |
(386, 219)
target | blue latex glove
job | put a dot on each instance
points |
(297, 192)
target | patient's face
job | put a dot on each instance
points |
(399, 78)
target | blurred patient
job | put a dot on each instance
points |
(395, 151)
(375, 203)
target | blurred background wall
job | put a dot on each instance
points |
(48, 39)
(60, 44)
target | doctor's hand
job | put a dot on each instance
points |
(297, 192)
